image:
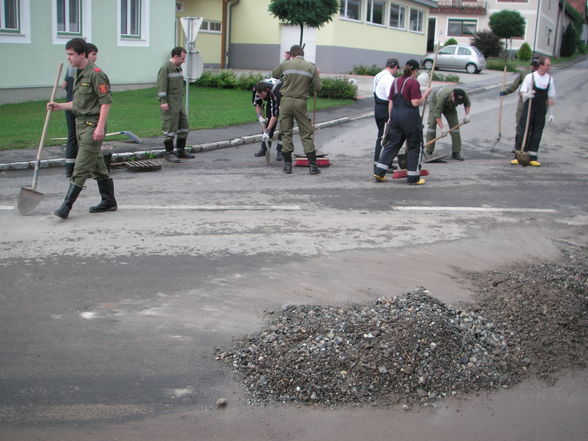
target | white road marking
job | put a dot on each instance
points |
(476, 209)
(211, 207)
(7, 207)
(89, 315)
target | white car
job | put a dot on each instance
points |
(457, 56)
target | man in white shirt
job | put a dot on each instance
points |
(540, 89)
(382, 84)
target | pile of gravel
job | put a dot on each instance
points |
(415, 349)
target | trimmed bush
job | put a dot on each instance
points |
(498, 64)
(525, 53)
(360, 69)
(338, 88)
(568, 43)
(450, 41)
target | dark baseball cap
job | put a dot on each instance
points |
(414, 64)
(392, 62)
(459, 95)
(535, 61)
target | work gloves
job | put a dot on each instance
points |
(550, 117)
(261, 119)
(466, 119)
(530, 94)
(265, 137)
(444, 132)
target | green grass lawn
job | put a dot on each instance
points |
(136, 111)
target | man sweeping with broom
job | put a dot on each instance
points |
(91, 105)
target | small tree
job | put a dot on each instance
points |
(507, 24)
(568, 42)
(450, 41)
(488, 43)
(525, 52)
(312, 13)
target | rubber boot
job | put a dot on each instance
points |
(312, 167)
(69, 167)
(261, 151)
(279, 156)
(287, 163)
(108, 202)
(72, 194)
(182, 149)
(169, 151)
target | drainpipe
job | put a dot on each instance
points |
(225, 31)
(536, 27)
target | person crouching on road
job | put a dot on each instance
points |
(91, 106)
(298, 76)
(405, 124)
(268, 90)
(539, 87)
(170, 90)
(445, 102)
(382, 84)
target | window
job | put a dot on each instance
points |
(463, 51)
(130, 18)
(416, 20)
(211, 26)
(448, 50)
(397, 14)
(69, 17)
(9, 16)
(375, 12)
(459, 28)
(350, 9)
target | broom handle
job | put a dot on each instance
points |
(442, 136)
(45, 126)
(430, 80)
(314, 111)
(526, 126)
(501, 99)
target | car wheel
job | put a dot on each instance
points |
(471, 68)
(428, 64)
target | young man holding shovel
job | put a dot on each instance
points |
(91, 106)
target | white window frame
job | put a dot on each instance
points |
(421, 14)
(67, 12)
(22, 33)
(205, 27)
(343, 14)
(402, 8)
(60, 37)
(141, 40)
(370, 8)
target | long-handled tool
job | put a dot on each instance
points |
(521, 155)
(128, 133)
(29, 197)
(500, 109)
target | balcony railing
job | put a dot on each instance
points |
(460, 6)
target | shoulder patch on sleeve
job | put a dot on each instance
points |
(97, 69)
(103, 88)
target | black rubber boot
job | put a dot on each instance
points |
(108, 202)
(169, 150)
(279, 156)
(312, 167)
(287, 163)
(69, 167)
(457, 156)
(72, 194)
(261, 151)
(182, 149)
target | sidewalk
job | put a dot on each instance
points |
(212, 139)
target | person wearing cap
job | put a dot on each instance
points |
(540, 89)
(382, 83)
(516, 84)
(444, 103)
(405, 124)
(298, 77)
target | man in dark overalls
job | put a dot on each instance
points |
(405, 124)
(382, 84)
(540, 89)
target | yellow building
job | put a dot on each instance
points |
(242, 34)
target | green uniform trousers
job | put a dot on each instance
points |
(290, 109)
(174, 122)
(452, 121)
(90, 160)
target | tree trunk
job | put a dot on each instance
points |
(301, 33)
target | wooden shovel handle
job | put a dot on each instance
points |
(442, 136)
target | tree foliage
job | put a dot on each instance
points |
(488, 43)
(568, 42)
(450, 42)
(312, 13)
(525, 52)
(507, 24)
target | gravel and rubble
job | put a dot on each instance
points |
(414, 349)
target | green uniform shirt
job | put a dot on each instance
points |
(91, 90)
(170, 86)
(442, 102)
(517, 81)
(298, 75)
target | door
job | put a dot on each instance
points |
(445, 57)
(431, 34)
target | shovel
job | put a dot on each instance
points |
(29, 197)
(522, 156)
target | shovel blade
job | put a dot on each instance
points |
(522, 157)
(28, 199)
